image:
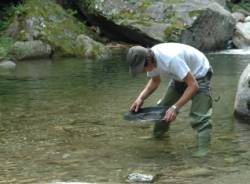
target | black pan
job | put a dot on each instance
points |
(146, 114)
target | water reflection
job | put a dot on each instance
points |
(61, 121)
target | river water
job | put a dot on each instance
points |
(61, 121)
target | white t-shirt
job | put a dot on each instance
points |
(177, 60)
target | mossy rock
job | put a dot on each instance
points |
(173, 32)
(49, 22)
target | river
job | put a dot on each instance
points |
(61, 121)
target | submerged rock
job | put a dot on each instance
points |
(195, 172)
(139, 177)
(242, 99)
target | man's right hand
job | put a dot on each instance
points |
(136, 105)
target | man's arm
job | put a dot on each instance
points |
(192, 88)
(151, 86)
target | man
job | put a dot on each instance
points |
(191, 74)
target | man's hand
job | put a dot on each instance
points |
(136, 105)
(170, 115)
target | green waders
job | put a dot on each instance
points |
(201, 111)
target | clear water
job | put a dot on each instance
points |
(61, 120)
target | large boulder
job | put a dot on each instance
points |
(31, 50)
(203, 24)
(48, 21)
(242, 99)
(211, 30)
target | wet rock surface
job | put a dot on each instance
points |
(242, 99)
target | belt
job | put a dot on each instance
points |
(208, 75)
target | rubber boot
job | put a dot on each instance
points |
(204, 140)
(160, 128)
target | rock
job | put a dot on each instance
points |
(7, 65)
(203, 24)
(31, 50)
(89, 48)
(7, 68)
(211, 30)
(222, 3)
(241, 38)
(242, 99)
(138, 177)
(56, 27)
(247, 19)
(238, 17)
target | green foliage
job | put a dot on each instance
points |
(195, 13)
(242, 5)
(7, 14)
(6, 44)
(173, 32)
(89, 5)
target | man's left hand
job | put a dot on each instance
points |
(170, 115)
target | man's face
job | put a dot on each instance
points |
(150, 65)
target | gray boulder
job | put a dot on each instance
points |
(7, 68)
(242, 99)
(31, 50)
(211, 30)
(203, 24)
(7, 65)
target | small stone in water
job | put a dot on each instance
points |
(138, 177)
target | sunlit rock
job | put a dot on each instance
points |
(247, 19)
(242, 99)
(238, 16)
(241, 38)
(203, 24)
(139, 177)
(7, 65)
(7, 68)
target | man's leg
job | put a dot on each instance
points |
(169, 99)
(201, 111)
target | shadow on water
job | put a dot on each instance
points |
(62, 120)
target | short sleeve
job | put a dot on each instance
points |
(153, 73)
(179, 68)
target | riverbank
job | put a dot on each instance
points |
(44, 29)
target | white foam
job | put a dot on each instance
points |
(234, 51)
